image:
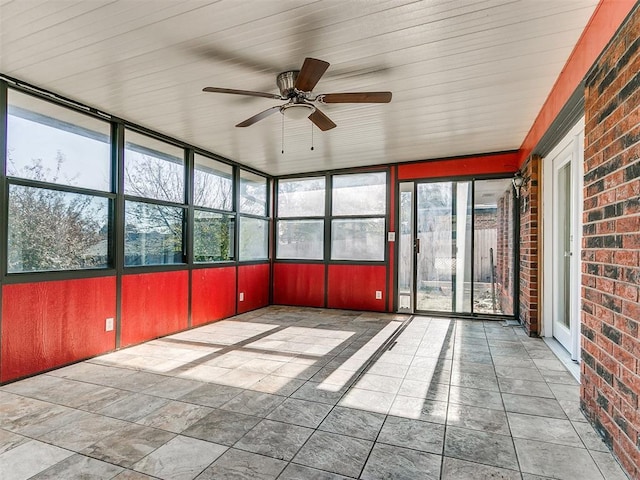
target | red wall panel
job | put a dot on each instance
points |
(298, 284)
(455, 167)
(253, 282)
(213, 294)
(153, 304)
(354, 287)
(49, 324)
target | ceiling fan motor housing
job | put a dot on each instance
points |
(286, 82)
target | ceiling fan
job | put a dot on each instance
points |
(296, 86)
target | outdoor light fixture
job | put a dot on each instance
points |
(518, 182)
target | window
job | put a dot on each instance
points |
(253, 194)
(56, 230)
(300, 235)
(359, 217)
(65, 226)
(153, 169)
(300, 239)
(212, 184)
(254, 236)
(360, 194)
(153, 234)
(301, 197)
(358, 239)
(153, 230)
(213, 237)
(253, 232)
(49, 143)
(213, 231)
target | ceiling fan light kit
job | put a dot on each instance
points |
(297, 111)
(296, 87)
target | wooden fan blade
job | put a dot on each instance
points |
(310, 73)
(242, 92)
(256, 118)
(361, 97)
(321, 121)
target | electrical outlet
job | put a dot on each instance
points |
(242, 296)
(378, 294)
(108, 325)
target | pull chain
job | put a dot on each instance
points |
(311, 136)
(283, 134)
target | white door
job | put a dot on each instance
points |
(563, 250)
(562, 191)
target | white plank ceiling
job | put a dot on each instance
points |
(467, 76)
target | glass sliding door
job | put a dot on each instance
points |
(406, 245)
(493, 247)
(443, 246)
(455, 247)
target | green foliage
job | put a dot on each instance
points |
(52, 229)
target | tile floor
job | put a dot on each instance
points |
(294, 393)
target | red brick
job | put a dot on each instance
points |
(631, 345)
(613, 179)
(631, 380)
(626, 291)
(626, 257)
(628, 224)
(633, 101)
(592, 349)
(607, 198)
(628, 190)
(631, 241)
(610, 363)
(605, 344)
(625, 358)
(626, 325)
(632, 118)
(603, 314)
(605, 285)
(631, 310)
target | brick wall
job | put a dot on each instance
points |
(504, 262)
(611, 246)
(529, 246)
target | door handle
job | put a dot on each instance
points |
(416, 245)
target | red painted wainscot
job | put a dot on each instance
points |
(253, 285)
(213, 294)
(354, 287)
(298, 284)
(50, 324)
(153, 305)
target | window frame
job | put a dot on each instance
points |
(266, 217)
(125, 197)
(384, 216)
(116, 197)
(8, 180)
(293, 218)
(234, 248)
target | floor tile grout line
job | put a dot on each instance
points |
(446, 415)
(386, 415)
(384, 347)
(316, 429)
(506, 416)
